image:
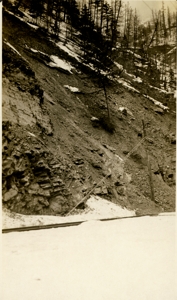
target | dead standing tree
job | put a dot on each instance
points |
(149, 166)
(102, 34)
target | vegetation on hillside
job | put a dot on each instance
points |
(103, 27)
(55, 147)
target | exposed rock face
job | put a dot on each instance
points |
(36, 183)
(10, 194)
(22, 96)
(30, 176)
(55, 153)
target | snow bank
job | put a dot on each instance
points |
(161, 90)
(24, 13)
(157, 103)
(130, 75)
(69, 50)
(104, 209)
(133, 53)
(21, 19)
(97, 208)
(57, 62)
(8, 44)
(33, 26)
(138, 79)
(72, 88)
(11, 13)
(123, 259)
(120, 67)
(139, 65)
(13, 220)
(128, 86)
(36, 51)
(122, 109)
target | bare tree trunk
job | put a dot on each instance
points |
(106, 98)
(149, 168)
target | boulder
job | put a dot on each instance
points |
(10, 194)
(32, 192)
(45, 193)
(97, 191)
(159, 110)
(38, 207)
(56, 204)
(8, 166)
(25, 180)
(104, 190)
(95, 122)
(21, 165)
(125, 111)
(79, 161)
(46, 186)
(97, 165)
(34, 186)
(172, 138)
(42, 200)
(101, 190)
(149, 140)
(43, 179)
(121, 190)
(94, 119)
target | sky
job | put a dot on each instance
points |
(145, 7)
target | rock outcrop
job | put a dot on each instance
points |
(34, 181)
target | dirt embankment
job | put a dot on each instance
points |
(53, 155)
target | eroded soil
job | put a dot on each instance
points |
(53, 156)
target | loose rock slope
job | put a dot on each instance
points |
(53, 151)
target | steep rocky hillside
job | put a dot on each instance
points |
(56, 149)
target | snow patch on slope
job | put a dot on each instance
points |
(69, 49)
(120, 67)
(27, 18)
(8, 44)
(157, 103)
(138, 79)
(134, 54)
(161, 90)
(103, 209)
(33, 26)
(57, 62)
(72, 88)
(131, 88)
(128, 86)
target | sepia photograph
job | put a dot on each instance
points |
(88, 99)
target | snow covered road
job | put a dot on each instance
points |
(123, 259)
